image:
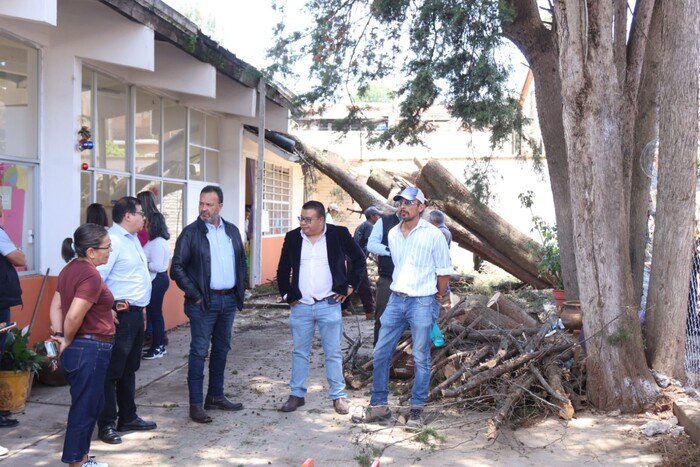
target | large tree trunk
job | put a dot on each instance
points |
(538, 44)
(644, 133)
(673, 232)
(618, 377)
(457, 202)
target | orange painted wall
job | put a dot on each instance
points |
(271, 249)
(173, 308)
(173, 303)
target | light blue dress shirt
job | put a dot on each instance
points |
(126, 273)
(223, 261)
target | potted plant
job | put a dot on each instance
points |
(17, 365)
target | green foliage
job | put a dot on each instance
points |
(367, 455)
(375, 93)
(428, 434)
(622, 335)
(452, 60)
(17, 355)
(114, 150)
(549, 266)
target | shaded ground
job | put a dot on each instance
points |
(260, 435)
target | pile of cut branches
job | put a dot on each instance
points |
(497, 357)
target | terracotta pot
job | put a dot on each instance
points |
(559, 297)
(571, 315)
(14, 389)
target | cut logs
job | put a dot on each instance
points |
(495, 357)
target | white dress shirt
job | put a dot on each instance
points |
(419, 259)
(126, 273)
(315, 279)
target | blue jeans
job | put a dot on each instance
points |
(154, 311)
(302, 322)
(213, 326)
(419, 313)
(85, 364)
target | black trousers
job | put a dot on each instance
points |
(120, 384)
(383, 294)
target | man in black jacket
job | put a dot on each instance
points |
(313, 255)
(209, 265)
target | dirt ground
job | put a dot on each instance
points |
(258, 370)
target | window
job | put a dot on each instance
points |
(17, 182)
(18, 100)
(147, 126)
(204, 147)
(277, 197)
(19, 149)
(140, 143)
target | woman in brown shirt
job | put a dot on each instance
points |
(83, 321)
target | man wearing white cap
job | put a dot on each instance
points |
(331, 208)
(421, 275)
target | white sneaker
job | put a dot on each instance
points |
(3, 451)
(91, 462)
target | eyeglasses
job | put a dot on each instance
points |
(406, 202)
(108, 247)
(140, 213)
(307, 220)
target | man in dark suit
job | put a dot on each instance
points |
(313, 255)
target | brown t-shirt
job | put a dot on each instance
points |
(80, 279)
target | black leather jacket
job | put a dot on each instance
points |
(191, 266)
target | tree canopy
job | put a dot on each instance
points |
(600, 87)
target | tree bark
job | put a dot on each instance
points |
(645, 132)
(380, 181)
(673, 232)
(539, 46)
(500, 303)
(618, 377)
(458, 203)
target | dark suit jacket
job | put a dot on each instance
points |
(339, 243)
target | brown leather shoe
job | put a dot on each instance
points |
(221, 403)
(198, 414)
(369, 316)
(341, 406)
(292, 404)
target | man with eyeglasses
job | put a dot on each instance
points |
(422, 271)
(314, 281)
(127, 277)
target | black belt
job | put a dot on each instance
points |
(402, 295)
(96, 337)
(135, 308)
(221, 292)
(324, 299)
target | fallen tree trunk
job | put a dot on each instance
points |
(502, 304)
(458, 202)
(365, 196)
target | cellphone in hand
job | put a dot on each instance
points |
(7, 326)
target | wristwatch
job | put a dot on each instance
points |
(58, 334)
